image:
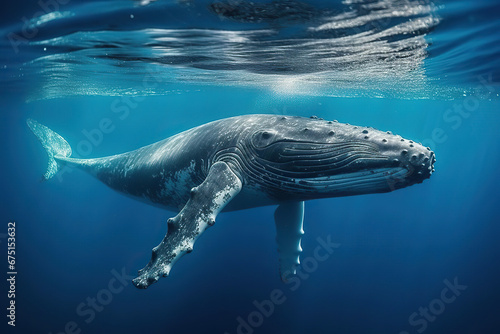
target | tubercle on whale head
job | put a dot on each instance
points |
(401, 152)
(336, 159)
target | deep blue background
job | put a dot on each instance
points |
(396, 248)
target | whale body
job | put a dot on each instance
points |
(244, 162)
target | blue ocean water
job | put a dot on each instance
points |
(423, 259)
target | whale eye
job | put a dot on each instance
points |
(263, 138)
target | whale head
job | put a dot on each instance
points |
(313, 158)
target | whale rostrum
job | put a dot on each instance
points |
(244, 162)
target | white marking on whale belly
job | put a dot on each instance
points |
(176, 187)
(377, 178)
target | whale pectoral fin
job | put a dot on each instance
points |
(207, 200)
(289, 219)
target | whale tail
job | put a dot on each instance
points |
(55, 145)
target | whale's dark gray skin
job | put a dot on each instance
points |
(244, 162)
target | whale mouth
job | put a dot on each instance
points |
(300, 159)
(321, 169)
(336, 169)
(367, 181)
(359, 182)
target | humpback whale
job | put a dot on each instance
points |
(244, 162)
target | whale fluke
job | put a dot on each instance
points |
(54, 144)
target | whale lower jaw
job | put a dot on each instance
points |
(355, 183)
